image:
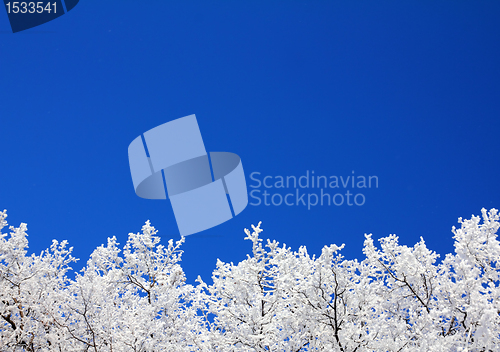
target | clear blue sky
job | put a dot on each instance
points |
(406, 91)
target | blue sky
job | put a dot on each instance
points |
(406, 91)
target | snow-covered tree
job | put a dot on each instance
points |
(137, 301)
(32, 290)
(135, 298)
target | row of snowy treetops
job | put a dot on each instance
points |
(135, 298)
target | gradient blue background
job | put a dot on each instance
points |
(407, 91)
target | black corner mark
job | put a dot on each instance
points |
(70, 4)
(28, 14)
